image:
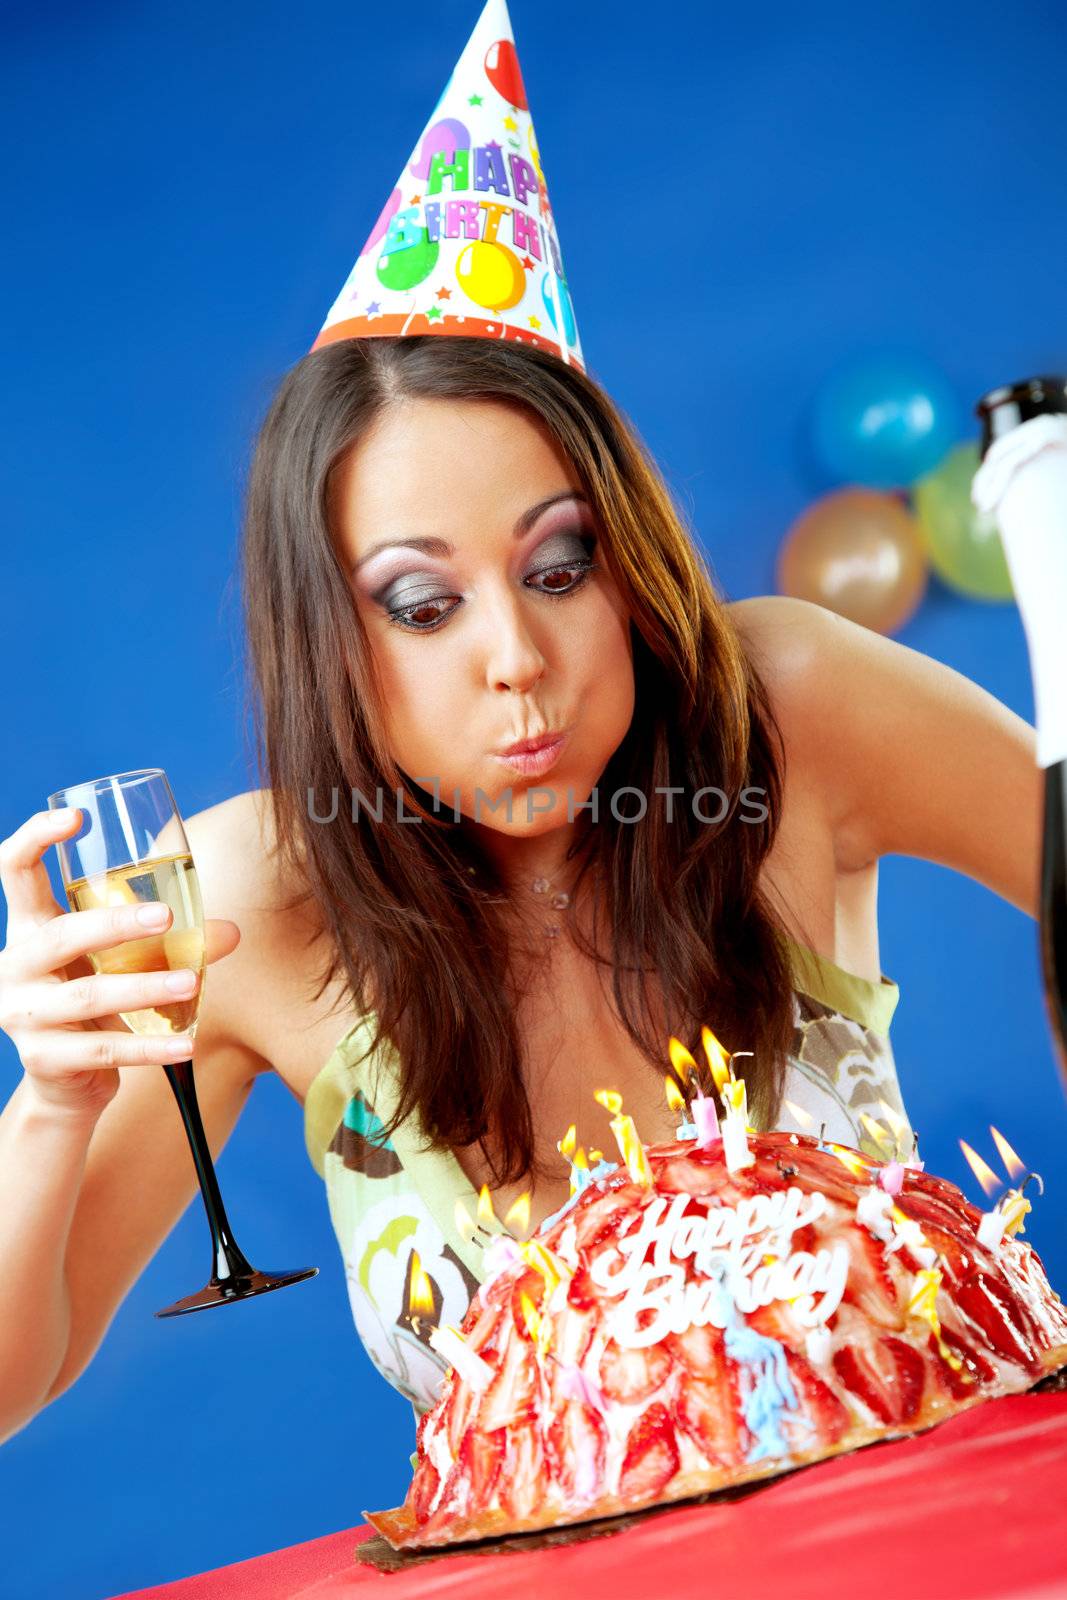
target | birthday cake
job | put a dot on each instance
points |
(715, 1310)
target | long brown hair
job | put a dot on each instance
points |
(412, 915)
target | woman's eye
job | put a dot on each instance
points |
(562, 579)
(420, 617)
(573, 564)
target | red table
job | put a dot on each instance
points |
(972, 1510)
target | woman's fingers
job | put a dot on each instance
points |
(52, 945)
(23, 876)
(220, 937)
(98, 995)
(49, 1052)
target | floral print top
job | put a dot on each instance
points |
(391, 1197)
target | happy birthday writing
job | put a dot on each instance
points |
(743, 1259)
(482, 169)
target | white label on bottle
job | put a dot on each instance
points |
(1023, 483)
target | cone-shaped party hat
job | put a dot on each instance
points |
(466, 243)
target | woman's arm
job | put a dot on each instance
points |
(86, 1198)
(917, 759)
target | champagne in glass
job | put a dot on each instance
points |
(133, 848)
(172, 881)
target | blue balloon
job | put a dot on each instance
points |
(883, 421)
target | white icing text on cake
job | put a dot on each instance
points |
(743, 1250)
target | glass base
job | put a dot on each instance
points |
(222, 1293)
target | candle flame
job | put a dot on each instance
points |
(1012, 1165)
(517, 1217)
(798, 1113)
(675, 1097)
(718, 1058)
(548, 1266)
(485, 1205)
(536, 1324)
(610, 1099)
(464, 1223)
(879, 1134)
(985, 1174)
(567, 1143)
(898, 1123)
(595, 1156)
(420, 1294)
(682, 1061)
(856, 1163)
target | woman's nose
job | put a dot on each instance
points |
(514, 659)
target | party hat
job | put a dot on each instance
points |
(466, 243)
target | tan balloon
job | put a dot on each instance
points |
(859, 553)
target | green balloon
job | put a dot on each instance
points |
(963, 544)
(405, 268)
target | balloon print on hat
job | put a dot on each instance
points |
(444, 137)
(570, 327)
(883, 420)
(405, 268)
(502, 70)
(491, 275)
(858, 553)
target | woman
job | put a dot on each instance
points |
(453, 545)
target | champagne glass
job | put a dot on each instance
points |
(133, 847)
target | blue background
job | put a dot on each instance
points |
(744, 198)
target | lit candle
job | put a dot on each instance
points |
(676, 1102)
(734, 1136)
(450, 1343)
(632, 1150)
(549, 1267)
(923, 1304)
(891, 1177)
(706, 1119)
(626, 1137)
(1006, 1217)
(537, 1326)
(1010, 1211)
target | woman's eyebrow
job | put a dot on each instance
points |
(432, 546)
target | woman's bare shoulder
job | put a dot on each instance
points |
(781, 635)
(785, 640)
(260, 988)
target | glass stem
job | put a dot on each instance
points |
(230, 1263)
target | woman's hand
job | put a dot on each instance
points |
(61, 1015)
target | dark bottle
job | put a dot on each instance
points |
(1033, 528)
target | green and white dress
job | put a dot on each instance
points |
(389, 1198)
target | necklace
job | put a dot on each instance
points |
(558, 900)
